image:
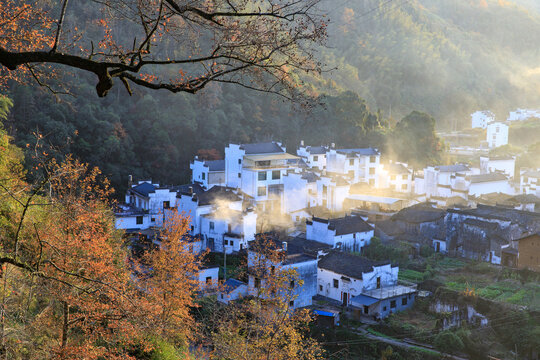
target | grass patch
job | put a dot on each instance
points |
(425, 351)
(410, 275)
(376, 333)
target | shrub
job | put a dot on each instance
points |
(447, 341)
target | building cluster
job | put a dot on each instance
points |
(326, 204)
(496, 132)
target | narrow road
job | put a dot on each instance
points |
(362, 331)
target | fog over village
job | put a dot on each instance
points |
(274, 179)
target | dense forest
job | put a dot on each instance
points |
(385, 59)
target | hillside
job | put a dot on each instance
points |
(447, 58)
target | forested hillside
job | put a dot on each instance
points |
(445, 58)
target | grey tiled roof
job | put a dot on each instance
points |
(345, 225)
(217, 193)
(215, 165)
(360, 151)
(310, 177)
(348, 264)
(316, 150)
(262, 148)
(419, 213)
(452, 168)
(144, 189)
(481, 178)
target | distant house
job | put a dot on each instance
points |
(299, 193)
(349, 233)
(497, 134)
(523, 114)
(396, 177)
(208, 279)
(370, 286)
(481, 184)
(523, 253)
(444, 181)
(505, 164)
(208, 173)
(357, 165)
(530, 182)
(480, 119)
(228, 230)
(332, 190)
(314, 156)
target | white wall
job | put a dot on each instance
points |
(497, 134)
(502, 186)
(199, 172)
(507, 166)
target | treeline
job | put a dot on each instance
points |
(156, 134)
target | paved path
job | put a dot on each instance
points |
(404, 344)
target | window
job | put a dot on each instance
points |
(372, 171)
(297, 218)
(405, 177)
(404, 187)
(320, 287)
(239, 161)
(225, 242)
(261, 175)
(351, 162)
(393, 304)
(139, 220)
(276, 175)
(257, 283)
(192, 228)
(291, 303)
(166, 204)
(372, 182)
(239, 175)
(384, 308)
(291, 284)
(392, 177)
(336, 283)
(222, 296)
(152, 219)
(232, 243)
(272, 270)
(404, 301)
(203, 176)
(212, 225)
(209, 280)
(261, 191)
(372, 159)
(315, 158)
(378, 282)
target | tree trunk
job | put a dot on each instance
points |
(65, 328)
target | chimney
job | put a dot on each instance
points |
(284, 246)
(333, 145)
(301, 142)
(130, 181)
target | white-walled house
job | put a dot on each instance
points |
(495, 182)
(523, 114)
(480, 119)
(208, 173)
(332, 192)
(195, 204)
(314, 156)
(444, 181)
(359, 165)
(232, 290)
(349, 233)
(530, 182)
(293, 258)
(299, 193)
(396, 177)
(234, 159)
(505, 164)
(497, 134)
(130, 217)
(228, 230)
(208, 278)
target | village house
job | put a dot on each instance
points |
(396, 177)
(491, 164)
(370, 286)
(481, 232)
(481, 184)
(497, 134)
(480, 119)
(529, 182)
(294, 257)
(523, 253)
(314, 156)
(232, 290)
(443, 181)
(349, 233)
(207, 173)
(358, 165)
(523, 114)
(420, 224)
(332, 192)
(299, 194)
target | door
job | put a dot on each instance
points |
(378, 282)
(366, 309)
(438, 246)
(345, 299)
